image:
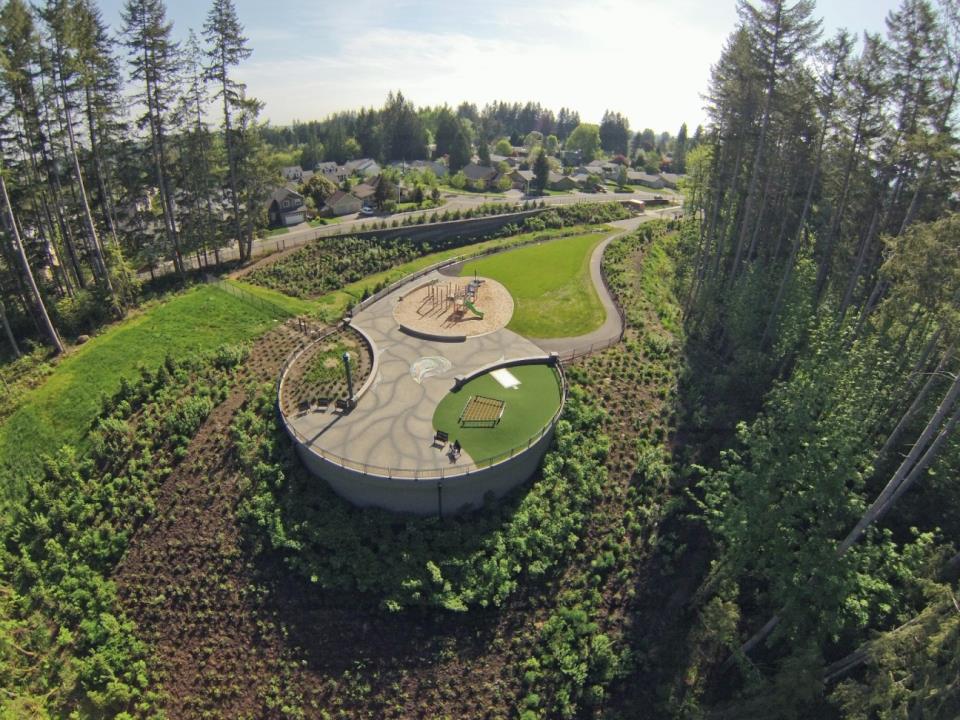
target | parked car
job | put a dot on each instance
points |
(366, 210)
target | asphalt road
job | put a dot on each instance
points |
(302, 234)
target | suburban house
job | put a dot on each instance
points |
(364, 166)
(333, 172)
(556, 181)
(508, 159)
(365, 192)
(437, 167)
(571, 157)
(582, 179)
(479, 173)
(670, 180)
(636, 177)
(521, 180)
(343, 203)
(286, 208)
(292, 173)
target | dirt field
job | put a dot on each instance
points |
(438, 309)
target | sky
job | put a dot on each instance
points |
(648, 59)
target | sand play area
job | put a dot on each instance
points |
(455, 306)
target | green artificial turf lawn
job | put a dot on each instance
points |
(550, 284)
(60, 411)
(528, 409)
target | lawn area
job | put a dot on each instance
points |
(293, 305)
(550, 284)
(60, 411)
(527, 410)
(354, 291)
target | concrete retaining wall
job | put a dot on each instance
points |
(457, 231)
(431, 336)
(443, 496)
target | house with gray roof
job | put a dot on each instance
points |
(479, 173)
(333, 172)
(670, 180)
(343, 203)
(285, 207)
(366, 167)
(636, 177)
(292, 173)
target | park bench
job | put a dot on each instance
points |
(441, 438)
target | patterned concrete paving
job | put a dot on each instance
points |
(392, 427)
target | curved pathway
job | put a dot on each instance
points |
(612, 327)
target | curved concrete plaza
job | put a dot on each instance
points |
(390, 431)
(391, 428)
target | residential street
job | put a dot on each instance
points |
(302, 234)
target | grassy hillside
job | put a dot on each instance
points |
(60, 411)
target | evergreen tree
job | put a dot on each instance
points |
(227, 49)
(541, 172)
(154, 61)
(13, 232)
(615, 133)
(679, 164)
(483, 152)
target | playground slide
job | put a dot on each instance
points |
(472, 308)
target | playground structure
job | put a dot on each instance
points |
(454, 298)
(455, 308)
(389, 449)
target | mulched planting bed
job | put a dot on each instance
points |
(317, 377)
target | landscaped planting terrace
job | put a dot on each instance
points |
(317, 377)
(330, 264)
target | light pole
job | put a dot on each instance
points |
(346, 368)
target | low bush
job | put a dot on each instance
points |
(454, 563)
(77, 655)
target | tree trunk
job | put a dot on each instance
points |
(159, 161)
(9, 333)
(826, 260)
(857, 268)
(795, 248)
(50, 330)
(245, 250)
(103, 272)
(106, 200)
(893, 488)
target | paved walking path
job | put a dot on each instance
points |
(612, 326)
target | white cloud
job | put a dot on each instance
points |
(646, 59)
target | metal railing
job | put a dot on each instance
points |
(437, 473)
(244, 295)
